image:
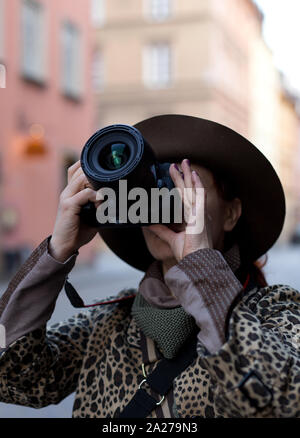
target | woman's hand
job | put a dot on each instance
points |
(69, 232)
(196, 232)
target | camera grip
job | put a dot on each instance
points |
(88, 215)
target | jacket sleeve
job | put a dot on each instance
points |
(256, 370)
(40, 366)
(206, 287)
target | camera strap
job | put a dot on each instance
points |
(160, 381)
(78, 302)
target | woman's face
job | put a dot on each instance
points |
(219, 210)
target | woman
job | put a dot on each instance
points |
(203, 336)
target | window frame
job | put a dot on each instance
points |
(152, 67)
(68, 88)
(98, 15)
(2, 30)
(98, 70)
(36, 74)
(152, 13)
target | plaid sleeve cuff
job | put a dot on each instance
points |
(206, 288)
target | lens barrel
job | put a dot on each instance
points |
(116, 153)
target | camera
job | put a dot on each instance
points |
(118, 161)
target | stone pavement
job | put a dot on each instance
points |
(107, 277)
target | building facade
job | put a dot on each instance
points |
(46, 112)
(289, 154)
(174, 56)
(274, 125)
(203, 58)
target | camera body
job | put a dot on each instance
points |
(119, 154)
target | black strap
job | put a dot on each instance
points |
(161, 381)
(78, 302)
(140, 406)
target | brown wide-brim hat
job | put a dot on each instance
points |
(209, 144)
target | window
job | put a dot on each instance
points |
(69, 158)
(2, 76)
(33, 40)
(98, 70)
(2, 29)
(98, 12)
(157, 65)
(71, 60)
(158, 10)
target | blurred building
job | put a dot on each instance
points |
(160, 56)
(204, 58)
(275, 125)
(289, 153)
(46, 112)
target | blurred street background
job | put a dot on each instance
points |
(71, 67)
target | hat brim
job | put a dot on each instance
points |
(175, 137)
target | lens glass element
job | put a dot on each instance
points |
(114, 156)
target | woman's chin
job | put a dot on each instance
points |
(159, 249)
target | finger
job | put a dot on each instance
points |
(76, 185)
(177, 180)
(196, 180)
(196, 219)
(82, 197)
(72, 169)
(201, 194)
(78, 172)
(75, 175)
(198, 192)
(176, 176)
(187, 174)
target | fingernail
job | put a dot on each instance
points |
(176, 167)
(188, 161)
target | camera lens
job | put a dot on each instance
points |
(118, 152)
(114, 156)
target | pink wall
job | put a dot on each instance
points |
(31, 185)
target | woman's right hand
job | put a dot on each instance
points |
(69, 232)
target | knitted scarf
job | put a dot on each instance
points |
(161, 317)
(168, 327)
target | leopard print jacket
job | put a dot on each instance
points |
(256, 372)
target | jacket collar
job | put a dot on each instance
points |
(154, 290)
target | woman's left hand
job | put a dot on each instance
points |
(196, 233)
